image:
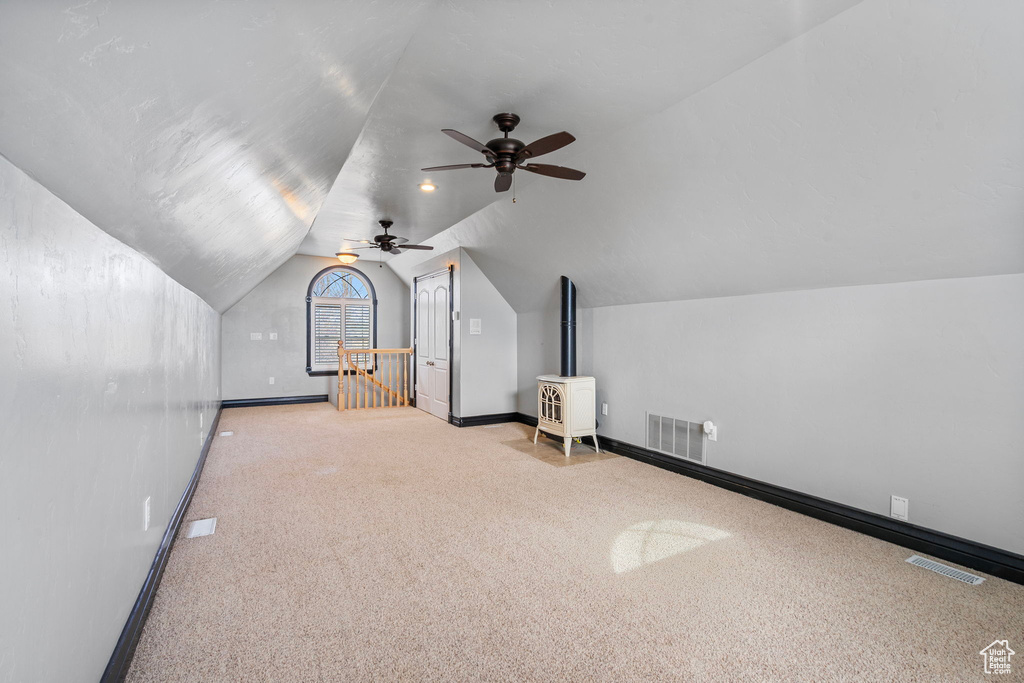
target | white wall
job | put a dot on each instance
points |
(278, 304)
(108, 386)
(852, 394)
(538, 347)
(488, 360)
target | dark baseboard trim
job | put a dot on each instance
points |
(276, 401)
(480, 420)
(994, 561)
(531, 420)
(985, 558)
(121, 659)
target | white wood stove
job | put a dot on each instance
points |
(565, 408)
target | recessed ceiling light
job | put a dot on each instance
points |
(347, 257)
(428, 187)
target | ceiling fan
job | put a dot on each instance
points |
(387, 243)
(507, 154)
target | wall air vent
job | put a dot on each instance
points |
(940, 568)
(678, 438)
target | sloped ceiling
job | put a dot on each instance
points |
(885, 145)
(583, 66)
(731, 146)
(208, 135)
(205, 135)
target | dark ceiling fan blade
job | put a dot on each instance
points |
(415, 246)
(468, 141)
(503, 182)
(546, 145)
(555, 171)
(395, 250)
(452, 167)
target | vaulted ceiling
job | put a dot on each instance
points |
(884, 145)
(731, 146)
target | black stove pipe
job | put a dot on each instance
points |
(568, 328)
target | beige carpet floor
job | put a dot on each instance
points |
(387, 545)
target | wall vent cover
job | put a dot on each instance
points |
(940, 568)
(678, 438)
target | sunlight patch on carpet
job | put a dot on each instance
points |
(649, 542)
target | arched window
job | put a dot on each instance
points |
(340, 305)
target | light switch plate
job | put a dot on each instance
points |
(273, 336)
(255, 336)
(474, 325)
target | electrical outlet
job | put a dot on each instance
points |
(899, 508)
(145, 513)
(711, 430)
(255, 336)
(604, 408)
(271, 380)
(273, 336)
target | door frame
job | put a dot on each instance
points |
(451, 332)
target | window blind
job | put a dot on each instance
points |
(326, 333)
(357, 331)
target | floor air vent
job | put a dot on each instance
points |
(202, 527)
(939, 568)
(678, 438)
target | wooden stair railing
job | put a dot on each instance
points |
(372, 378)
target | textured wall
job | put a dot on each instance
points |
(108, 384)
(852, 394)
(278, 304)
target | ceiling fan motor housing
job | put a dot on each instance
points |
(505, 149)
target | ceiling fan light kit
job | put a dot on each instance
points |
(506, 154)
(347, 257)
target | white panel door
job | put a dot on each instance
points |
(441, 330)
(423, 336)
(433, 329)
